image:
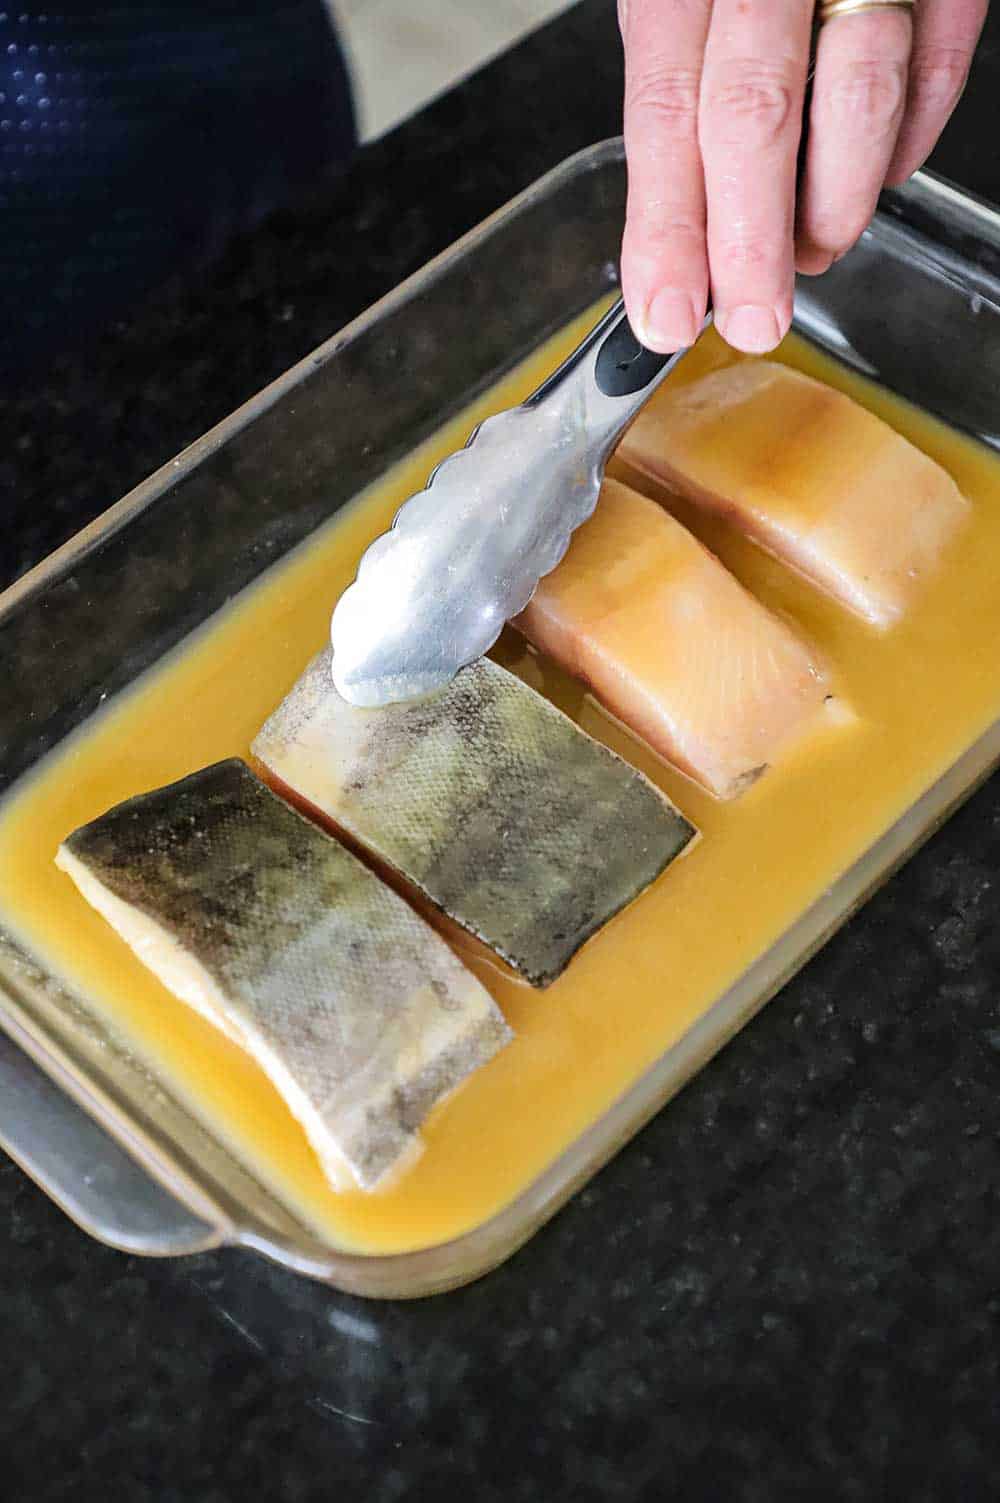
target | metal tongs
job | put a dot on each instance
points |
(465, 555)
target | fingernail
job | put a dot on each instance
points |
(752, 328)
(813, 263)
(670, 323)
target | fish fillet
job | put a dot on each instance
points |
(490, 801)
(811, 475)
(359, 1013)
(673, 645)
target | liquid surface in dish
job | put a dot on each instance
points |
(919, 695)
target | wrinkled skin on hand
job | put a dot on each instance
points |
(714, 116)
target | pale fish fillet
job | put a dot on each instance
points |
(673, 645)
(811, 475)
(357, 1011)
(490, 801)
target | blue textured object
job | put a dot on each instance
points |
(136, 140)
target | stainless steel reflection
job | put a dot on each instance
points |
(465, 554)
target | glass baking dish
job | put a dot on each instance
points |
(916, 306)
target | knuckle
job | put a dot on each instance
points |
(749, 253)
(749, 103)
(663, 228)
(666, 100)
(938, 77)
(660, 223)
(866, 97)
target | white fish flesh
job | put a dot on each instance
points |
(814, 477)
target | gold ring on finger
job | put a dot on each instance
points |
(828, 9)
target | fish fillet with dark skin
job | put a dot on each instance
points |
(529, 834)
(358, 1012)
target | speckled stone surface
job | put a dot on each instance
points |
(787, 1288)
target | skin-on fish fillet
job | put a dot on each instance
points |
(525, 831)
(359, 1013)
(811, 475)
(673, 645)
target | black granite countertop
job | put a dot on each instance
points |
(787, 1287)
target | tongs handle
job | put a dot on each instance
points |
(612, 361)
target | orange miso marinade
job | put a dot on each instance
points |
(917, 695)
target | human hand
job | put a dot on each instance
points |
(714, 99)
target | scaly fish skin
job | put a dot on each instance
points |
(490, 801)
(359, 1012)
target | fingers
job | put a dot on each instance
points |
(664, 260)
(713, 105)
(753, 87)
(945, 37)
(859, 93)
